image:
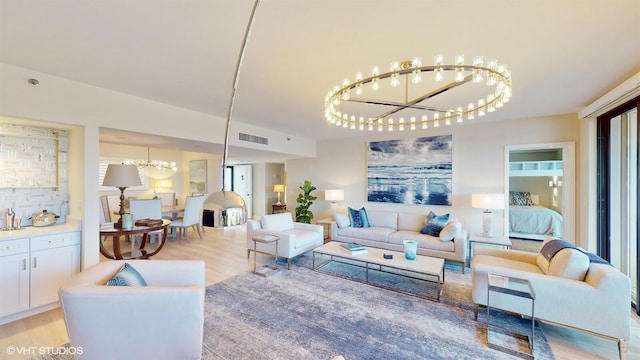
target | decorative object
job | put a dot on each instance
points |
(410, 249)
(410, 171)
(305, 200)
(487, 202)
(121, 176)
(356, 105)
(198, 176)
(158, 164)
(278, 188)
(231, 206)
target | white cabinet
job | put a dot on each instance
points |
(32, 269)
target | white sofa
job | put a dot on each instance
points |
(388, 230)
(163, 320)
(599, 304)
(295, 238)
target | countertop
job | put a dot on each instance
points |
(29, 231)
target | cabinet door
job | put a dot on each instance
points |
(50, 269)
(14, 283)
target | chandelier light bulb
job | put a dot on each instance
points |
(401, 124)
(436, 120)
(470, 112)
(424, 122)
(459, 114)
(459, 68)
(438, 71)
(477, 73)
(412, 123)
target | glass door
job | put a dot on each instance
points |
(618, 192)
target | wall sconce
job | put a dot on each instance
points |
(487, 202)
(278, 188)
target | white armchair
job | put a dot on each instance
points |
(163, 320)
(295, 238)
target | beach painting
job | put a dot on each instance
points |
(410, 171)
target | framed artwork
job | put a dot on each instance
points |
(410, 171)
(198, 176)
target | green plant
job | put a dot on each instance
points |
(304, 200)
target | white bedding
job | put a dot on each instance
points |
(535, 220)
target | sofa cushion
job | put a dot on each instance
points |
(424, 241)
(450, 231)
(342, 220)
(358, 218)
(127, 276)
(373, 233)
(277, 222)
(304, 238)
(434, 224)
(379, 218)
(411, 221)
(568, 263)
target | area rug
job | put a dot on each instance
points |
(304, 314)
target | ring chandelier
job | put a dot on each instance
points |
(495, 76)
(158, 164)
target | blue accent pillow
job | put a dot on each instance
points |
(127, 276)
(434, 224)
(359, 218)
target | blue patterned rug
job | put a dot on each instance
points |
(302, 314)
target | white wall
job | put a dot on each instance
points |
(478, 165)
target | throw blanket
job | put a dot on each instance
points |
(551, 248)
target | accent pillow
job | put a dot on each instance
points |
(342, 220)
(450, 231)
(520, 198)
(127, 276)
(358, 218)
(434, 224)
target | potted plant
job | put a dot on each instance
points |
(304, 200)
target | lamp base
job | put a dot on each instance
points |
(487, 230)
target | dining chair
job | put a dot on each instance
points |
(147, 209)
(192, 217)
(168, 199)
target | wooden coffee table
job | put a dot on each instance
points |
(373, 258)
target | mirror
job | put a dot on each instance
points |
(540, 188)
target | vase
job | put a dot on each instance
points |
(410, 249)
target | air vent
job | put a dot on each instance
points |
(254, 139)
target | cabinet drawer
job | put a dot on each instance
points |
(12, 247)
(54, 241)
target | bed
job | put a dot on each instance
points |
(530, 221)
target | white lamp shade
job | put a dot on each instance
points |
(163, 184)
(487, 201)
(278, 188)
(121, 175)
(334, 195)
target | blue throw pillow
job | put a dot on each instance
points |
(127, 276)
(359, 218)
(434, 224)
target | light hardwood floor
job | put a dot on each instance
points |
(224, 251)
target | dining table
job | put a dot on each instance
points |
(129, 234)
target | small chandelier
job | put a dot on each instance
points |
(366, 104)
(158, 164)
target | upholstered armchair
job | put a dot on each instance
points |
(163, 320)
(572, 292)
(295, 238)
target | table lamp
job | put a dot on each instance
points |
(121, 176)
(333, 196)
(278, 188)
(487, 202)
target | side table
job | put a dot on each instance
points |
(503, 241)
(265, 270)
(326, 228)
(511, 286)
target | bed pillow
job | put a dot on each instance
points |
(450, 231)
(434, 224)
(520, 198)
(127, 276)
(358, 218)
(342, 220)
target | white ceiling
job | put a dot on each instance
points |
(563, 54)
